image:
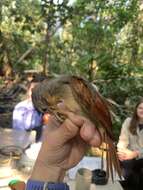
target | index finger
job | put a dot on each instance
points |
(88, 130)
(90, 133)
(75, 117)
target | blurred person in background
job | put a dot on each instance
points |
(25, 116)
(130, 147)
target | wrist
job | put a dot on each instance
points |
(46, 172)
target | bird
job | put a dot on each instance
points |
(79, 96)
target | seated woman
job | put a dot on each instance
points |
(130, 147)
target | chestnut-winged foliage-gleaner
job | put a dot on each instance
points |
(81, 97)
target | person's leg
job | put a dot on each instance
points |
(127, 167)
(138, 170)
(141, 178)
(131, 177)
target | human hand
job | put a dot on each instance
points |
(64, 145)
(127, 155)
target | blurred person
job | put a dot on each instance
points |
(130, 147)
(25, 116)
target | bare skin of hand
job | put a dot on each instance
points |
(63, 146)
(127, 155)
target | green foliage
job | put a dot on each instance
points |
(20, 27)
(99, 40)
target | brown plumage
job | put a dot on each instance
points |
(81, 97)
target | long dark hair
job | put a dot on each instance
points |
(135, 120)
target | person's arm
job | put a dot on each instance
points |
(32, 118)
(62, 148)
(25, 116)
(124, 136)
(124, 153)
(18, 121)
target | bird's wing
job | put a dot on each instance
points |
(97, 110)
(92, 103)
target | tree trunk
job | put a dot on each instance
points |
(7, 69)
(45, 56)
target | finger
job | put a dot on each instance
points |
(90, 134)
(123, 152)
(76, 119)
(121, 158)
(65, 132)
(73, 123)
(119, 153)
(88, 131)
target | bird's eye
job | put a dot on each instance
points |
(61, 101)
(44, 110)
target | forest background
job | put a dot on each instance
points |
(101, 40)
